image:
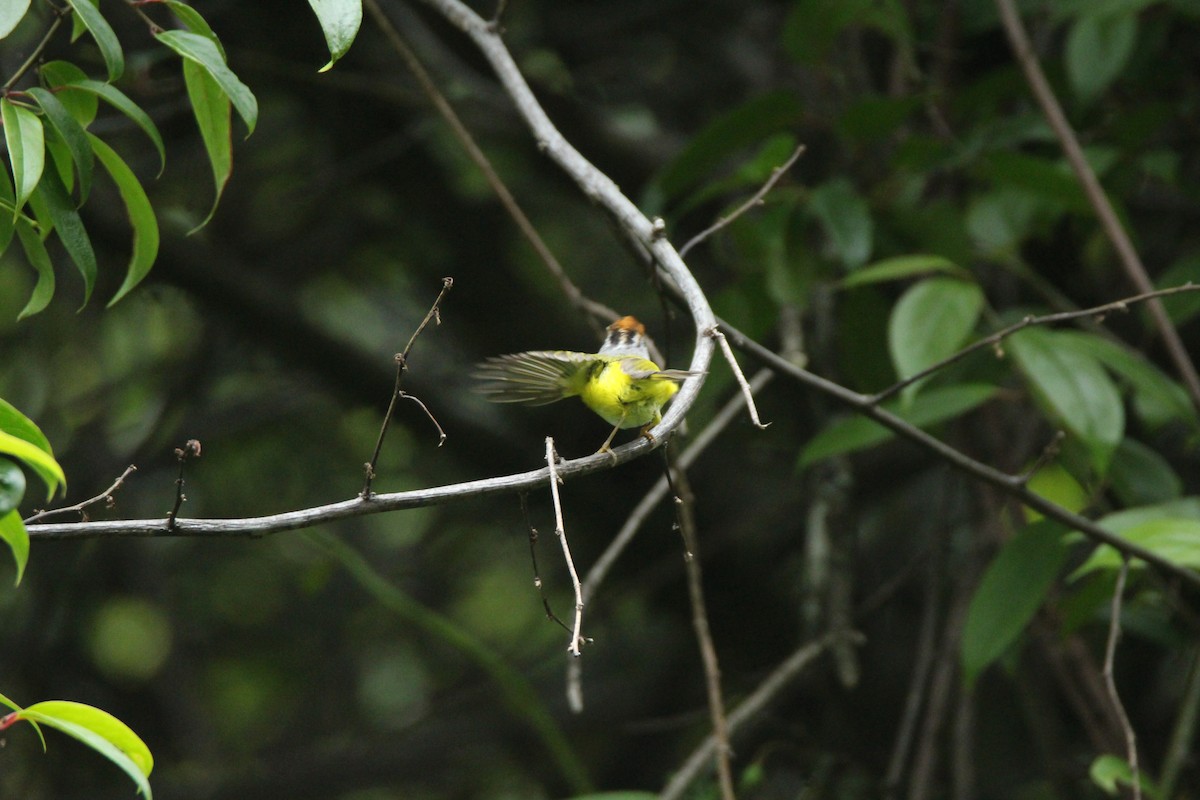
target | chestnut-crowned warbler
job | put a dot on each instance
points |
(620, 383)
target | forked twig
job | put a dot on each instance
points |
(756, 199)
(105, 497)
(561, 532)
(191, 449)
(760, 698)
(401, 360)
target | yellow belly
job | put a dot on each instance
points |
(624, 401)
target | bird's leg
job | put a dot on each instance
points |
(650, 436)
(604, 448)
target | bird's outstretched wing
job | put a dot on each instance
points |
(535, 378)
(638, 368)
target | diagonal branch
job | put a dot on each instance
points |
(1126, 253)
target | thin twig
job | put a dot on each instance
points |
(537, 578)
(191, 449)
(756, 199)
(1026, 322)
(1126, 253)
(593, 311)
(633, 523)
(1110, 683)
(59, 15)
(560, 531)
(727, 351)
(401, 360)
(752, 706)
(686, 520)
(1011, 485)
(81, 508)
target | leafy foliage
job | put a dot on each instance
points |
(406, 653)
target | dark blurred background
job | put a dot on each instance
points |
(282, 668)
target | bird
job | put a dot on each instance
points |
(620, 383)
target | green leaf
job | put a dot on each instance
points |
(900, 267)
(12, 486)
(1097, 50)
(340, 20)
(83, 106)
(141, 217)
(89, 14)
(11, 13)
(25, 139)
(1159, 399)
(846, 219)
(39, 259)
(100, 731)
(1175, 540)
(72, 134)
(1139, 475)
(118, 100)
(1110, 772)
(71, 232)
(1012, 589)
(1074, 389)
(858, 433)
(195, 23)
(1050, 181)
(1053, 482)
(202, 51)
(212, 110)
(39, 460)
(930, 322)
(13, 533)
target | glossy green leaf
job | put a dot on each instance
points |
(1120, 521)
(118, 100)
(931, 321)
(340, 20)
(89, 15)
(198, 48)
(1012, 589)
(212, 110)
(82, 105)
(1159, 399)
(25, 139)
(72, 134)
(39, 259)
(195, 23)
(1053, 482)
(141, 217)
(100, 731)
(1097, 49)
(13, 534)
(1175, 540)
(69, 226)
(846, 220)
(20, 438)
(858, 433)
(12, 486)
(1074, 389)
(11, 12)
(901, 267)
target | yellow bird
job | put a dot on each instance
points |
(620, 383)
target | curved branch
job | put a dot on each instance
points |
(598, 188)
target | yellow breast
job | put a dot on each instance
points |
(626, 391)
